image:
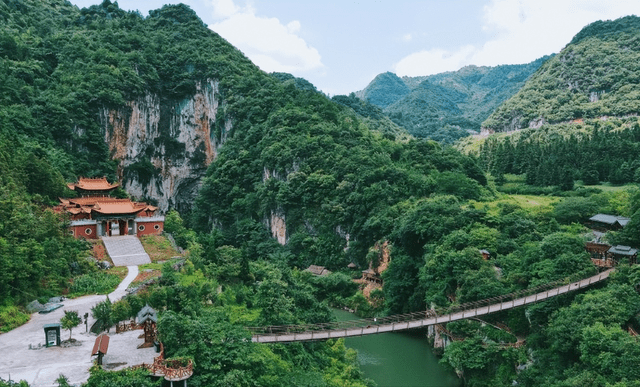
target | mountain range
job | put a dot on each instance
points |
(449, 105)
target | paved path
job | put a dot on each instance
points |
(126, 250)
(415, 320)
(41, 367)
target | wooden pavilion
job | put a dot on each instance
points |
(147, 319)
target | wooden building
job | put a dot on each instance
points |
(95, 213)
(621, 252)
(604, 222)
(318, 270)
(147, 318)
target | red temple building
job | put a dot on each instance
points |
(95, 213)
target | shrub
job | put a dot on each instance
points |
(94, 283)
(11, 317)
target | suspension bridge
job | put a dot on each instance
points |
(372, 326)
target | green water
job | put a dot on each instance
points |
(398, 359)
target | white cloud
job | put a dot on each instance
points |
(270, 44)
(407, 37)
(433, 61)
(224, 8)
(520, 32)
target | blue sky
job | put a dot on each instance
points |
(341, 45)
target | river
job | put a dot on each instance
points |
(398, 359)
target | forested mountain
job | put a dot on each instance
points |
(269, 176)
(444, 106)
(157, 102)
(585, 102)
(595, 75)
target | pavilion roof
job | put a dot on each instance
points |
(623, 250)
(101, 345)
(93, 184)
(147, 313)
(111, 207)
(88, 200)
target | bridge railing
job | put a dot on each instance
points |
(470, 307)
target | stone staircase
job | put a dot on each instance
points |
(126, 250)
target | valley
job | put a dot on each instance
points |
(280, 205)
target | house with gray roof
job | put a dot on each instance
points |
(608, 222)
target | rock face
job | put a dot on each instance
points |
(164, 146)
(279, 226)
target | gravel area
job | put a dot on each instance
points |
(41, 367)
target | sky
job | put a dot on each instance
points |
(341, 45)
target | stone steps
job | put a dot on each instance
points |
(125, 250)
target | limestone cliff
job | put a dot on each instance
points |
(164, 146)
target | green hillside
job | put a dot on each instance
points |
(595, 75)
(445, 106)
(326, 168)
(585, 103)
(385, 89)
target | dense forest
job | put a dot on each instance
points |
(578, 114)
(334, 178)
(592, 151)
(446, 106)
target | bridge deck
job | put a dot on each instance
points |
(372, 326)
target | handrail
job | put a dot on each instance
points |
(321, 331)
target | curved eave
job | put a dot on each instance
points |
(133, 212)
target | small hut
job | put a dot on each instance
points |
(318, 270)
(605, 222)
(619, 252)
(371, 276)
(147, 318)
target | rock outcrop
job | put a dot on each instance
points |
(164, 146)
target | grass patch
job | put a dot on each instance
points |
(158, 247)
(533, 204)
(120, 271)
(534, 201)
(94, 283)
(12, 317)
(610, 188)
(153, 266)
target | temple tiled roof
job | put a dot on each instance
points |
(93, 184)
(117, 207)
(83, 207)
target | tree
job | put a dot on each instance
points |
(102, 313)
(70, 320)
